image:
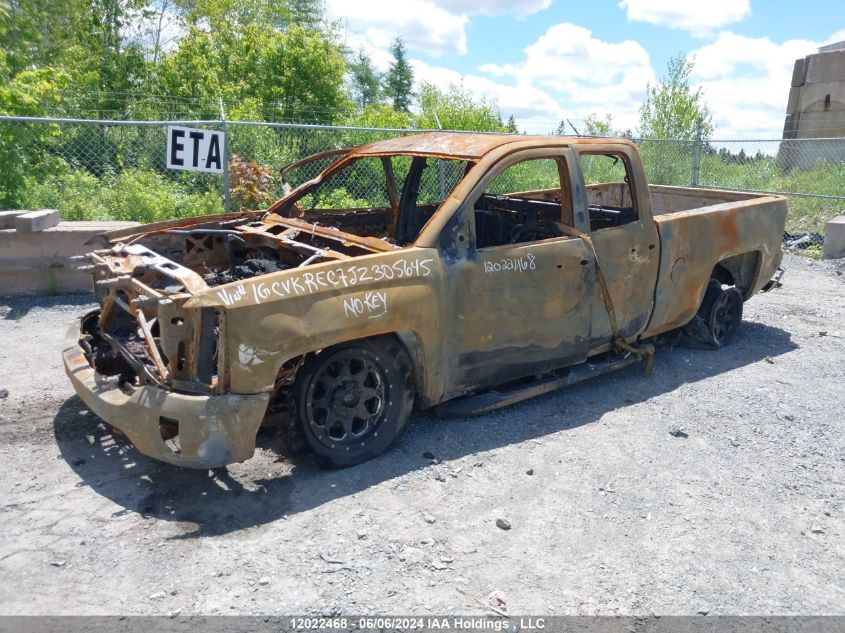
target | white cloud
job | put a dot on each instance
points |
(422, 24)
(697, 17)
(837, 37)
(569, 73)
(746, 82)
(437, 27)
(530, 106)
(379, 56)
(585, 72)
(494, 7)
(433, 26)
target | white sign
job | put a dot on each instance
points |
(195, 150)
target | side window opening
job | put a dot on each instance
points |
(611, 200)
(524, 203)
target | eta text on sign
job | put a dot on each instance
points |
(195, 150)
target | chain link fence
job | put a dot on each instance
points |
(117, 169)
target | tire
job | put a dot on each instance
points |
(352, 401)
(721, 312)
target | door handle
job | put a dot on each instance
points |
(584, 262)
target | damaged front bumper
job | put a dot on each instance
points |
(195, 431)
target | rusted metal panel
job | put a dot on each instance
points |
(628, 254)
(694, 241)
(446, 145)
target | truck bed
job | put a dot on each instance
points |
(697, 227)
(665, 199)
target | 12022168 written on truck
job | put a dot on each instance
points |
(458, 271)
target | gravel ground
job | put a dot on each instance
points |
(715, 485)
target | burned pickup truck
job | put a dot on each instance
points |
(458, 271)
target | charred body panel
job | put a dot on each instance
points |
(695, 243)
(207, 324)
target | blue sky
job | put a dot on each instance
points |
(543, 60)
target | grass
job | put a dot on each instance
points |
(808, 211)
(814, 251)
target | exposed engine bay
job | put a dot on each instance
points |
(144, 335)
(225, 251)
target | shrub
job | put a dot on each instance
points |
(135, 194)
(250, 184)
(75, 193)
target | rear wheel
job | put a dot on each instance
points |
(721, 312)
(353, 400)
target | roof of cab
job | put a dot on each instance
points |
(464, 145)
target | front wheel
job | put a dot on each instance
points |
(352, 400)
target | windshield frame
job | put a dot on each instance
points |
(284, 205)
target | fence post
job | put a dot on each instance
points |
(696, 156)
(227, 198)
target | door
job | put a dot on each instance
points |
(625, 238)
(521, 290)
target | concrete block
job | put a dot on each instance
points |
(834, 238)
(821, 125)
(7, 218)
(825, 68)
(813, 97)
(794, 100)
(838, 46)
(36, 221)
(35, 263)
(799, 72)
(790, 125)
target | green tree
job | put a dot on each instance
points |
(456, 109)
(365, 80)
(399, 81)
(511, 128)
(194, 72)
(561, 129)
(672, 109)
(296, 73)
(278, 14)
(306, 13)
(379, 115)
(599, 126)
(163, 15)
(595, 125)
(85, 39)
(39, 31)
(301, 76)
(23, 159)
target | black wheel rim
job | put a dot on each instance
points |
(345, 400)
(726, 315)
